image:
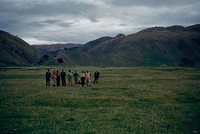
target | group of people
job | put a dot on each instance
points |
(73, 78)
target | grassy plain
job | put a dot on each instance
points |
(126, 100)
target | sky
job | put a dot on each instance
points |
(80, 21)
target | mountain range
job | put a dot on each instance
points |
(156, 46)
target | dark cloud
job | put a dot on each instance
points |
(79, 21)
(152, 3)
(45, 7)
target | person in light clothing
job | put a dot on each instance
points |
(88, 78)
(54, 77)
(70, 78)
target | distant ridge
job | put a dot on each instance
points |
(156, 46)
(56, 47)
(94, 43)
(194, 28)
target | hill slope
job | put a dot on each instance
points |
(154, 46)
(16, 52)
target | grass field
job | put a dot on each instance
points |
(142, 100)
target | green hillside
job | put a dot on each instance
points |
(156, 46)
(16, 52)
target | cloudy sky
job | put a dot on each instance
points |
(79, 21)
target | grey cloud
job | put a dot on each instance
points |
(55, 22)
(36, 9)
(63, 7)
(123, 25)
(82, 20)
(151, 3)
(154, 12)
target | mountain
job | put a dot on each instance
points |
(94, 43)
(174, 45)
(80, 55)
(155, 46)
(194, 28)
(16, 52)
(56, 47)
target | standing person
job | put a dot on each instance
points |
(54, 77)
(96, 76)
(63, 78)
(83, 78)
(58, 77)
(48, 77)
(75, 78)
(70, 77)
(88, 78)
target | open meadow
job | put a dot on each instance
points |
(150, 100)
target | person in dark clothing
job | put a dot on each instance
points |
(75, 75)
(58, 78)
(48, 77)
(96, 76)
(83, 78)
(63, 78)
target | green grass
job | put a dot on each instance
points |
(126, 100)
